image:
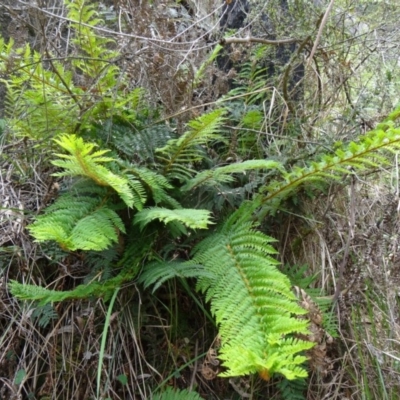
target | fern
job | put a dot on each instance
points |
(155, 183)
(136, 251)
(293, 390)
(367, 153)
(179, 155)
(44, 314)
(84, 162)
(39, 101)
(224, 174)
(132, 140)
(85, 291)
(79, 220)
(251, 300)
(156, 273)
(43, 96)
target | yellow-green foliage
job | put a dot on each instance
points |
(82, 161)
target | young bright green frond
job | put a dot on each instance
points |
(45, 296)
(78, 222)
(84, 162)
(250, 298)
(96, 231)
(33, 292)
(195, 219)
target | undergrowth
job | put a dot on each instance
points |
(139, 201)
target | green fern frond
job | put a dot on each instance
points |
(176, 394)
(45, 296)
(84, 162)
(154, 182)
(132, 142)
(252, 301)
(224, 174)
(34, 292)
(79, 221)
(293, 389)
(194, 219)
(179, 154)
(156, 273)
(83, 18)
(368, 152)
(44, 314)
(39, 102)
(131, 262)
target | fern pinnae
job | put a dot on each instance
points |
(249, 297)
(157, 272)
(224, 174)
(82, 161)
(80, 219)
(358, 156)
(176, 394)
(178, 154)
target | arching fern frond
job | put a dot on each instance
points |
(251, 301)
(79, 220)
(212, 177)
(179, 154)
(136, 251)
(368, 151)
(82, 161)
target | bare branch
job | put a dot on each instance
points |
(250, 39)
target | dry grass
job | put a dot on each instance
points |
(365, 356)
(55, 352)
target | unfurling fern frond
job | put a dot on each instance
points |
(252, 301)
(179, 154)
(79, 221)
(195, 219)
(82, 161)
